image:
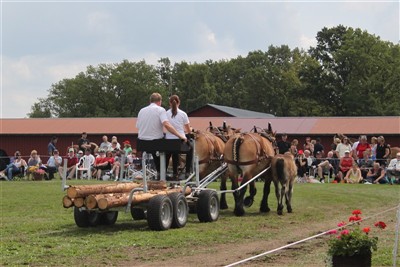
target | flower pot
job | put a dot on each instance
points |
(357, 260)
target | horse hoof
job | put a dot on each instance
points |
(265, 209)
(248, 201)
(239, 212)
(223, 207)
(280, 212)
(289, 210)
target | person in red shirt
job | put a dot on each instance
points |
(345, 164)
(362, 146)
(102, 163)
(72, 160)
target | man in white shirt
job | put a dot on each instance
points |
(393, 170)
(151, 122)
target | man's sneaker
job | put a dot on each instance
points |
(367, 183)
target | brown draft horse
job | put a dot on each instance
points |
(247, 155)
(210, 146)
(284, 172)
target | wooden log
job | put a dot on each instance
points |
(67, 202)
(78, 202)
(118, 200)
(85, 190)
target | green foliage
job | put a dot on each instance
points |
(348, 73)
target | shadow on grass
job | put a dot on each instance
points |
(73, 230)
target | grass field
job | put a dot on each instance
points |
(36, 230)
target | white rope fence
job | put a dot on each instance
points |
(326, 232)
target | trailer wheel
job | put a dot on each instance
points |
(180, 210)
(208, 206)
(159, 213)
(81, 217)
(94, 218)
(109, 217)
(138, 214)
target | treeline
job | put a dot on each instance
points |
(348, 73)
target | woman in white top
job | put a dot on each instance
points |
(180, 121)
(14, 167)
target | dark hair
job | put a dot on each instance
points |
(174, 102)
(88, 150)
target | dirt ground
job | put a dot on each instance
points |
(309, 253)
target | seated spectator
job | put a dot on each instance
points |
(34, 163)
(302, 168)
(88, 156)
(366, 163)
(127, 147)
(52, 165)
(325, 166)
(345, 164)
(293, 147)
(393, 170)
(116, 166)
(72, 160)
(105, 145)
(17, 165)
(309, 158)
(353, 176)
(376, 175)
(102, 163)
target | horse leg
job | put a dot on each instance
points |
(279, 197)
(289, 197)
(239, 195)
(222, 203)
(249, 200)
(264, 201)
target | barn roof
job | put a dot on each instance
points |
(289, 125)
(235, 112)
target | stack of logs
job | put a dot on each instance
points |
(106, 196)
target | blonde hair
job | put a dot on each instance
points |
(155, 97)
(33, 152)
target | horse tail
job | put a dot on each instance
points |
(280, 170)
(236, 146)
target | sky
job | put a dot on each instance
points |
(43, 42)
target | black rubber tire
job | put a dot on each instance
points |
(109, 217)
(208, 206)
(81, 217)
(94, 218)
(137, 214)
(180, 210)
(160, 213)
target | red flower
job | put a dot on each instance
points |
(331, 232)
(345, 232)
(380, 224)
(354, 219)
(366, 230)
(341, 224)
(356, 212)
